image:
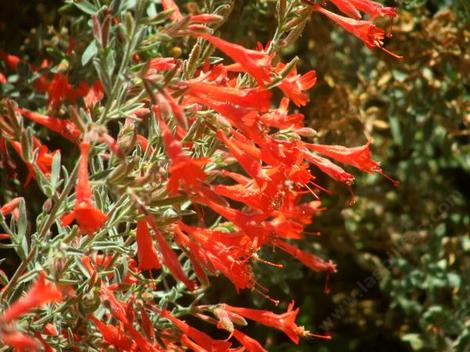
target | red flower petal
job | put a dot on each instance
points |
(20, 342)
(359, 157)
(312, 261)
(170, 258)
(248, 342)
(39, 294)
(256, 63)
(66, 128)
(284, 322)
(148, 258)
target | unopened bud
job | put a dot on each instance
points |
(89, 302)
(97, 29)
(147, 296)
(306, 132)
(127, 137)
(224, 319)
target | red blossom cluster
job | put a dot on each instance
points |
(39, 294)
(260, 181)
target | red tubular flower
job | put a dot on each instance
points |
(11, 206)
(104, 261)
(171, 5)
(374, 9)
(43, 160)
(50, 330)
(206, 18)
(115, 336)
(217, 74)
(169, 257)
(246, 142)
(20, 341)
(370, 34)
(139, 113)
(301, 213)
(250, 195)
(284, 227)
(347, 8)
(312, 261)
(10, 60)
(196, 255)
(161, 64)
(5, 158)
(284, 322)
(248, 342)
(359, 157)
(329, 168)
(59, 88)
(148, 258)
(252, 225)
(119, 312)
(255, 98)
(184, 170)
(65, 128)
(256, 63)
(144, 143)
(147, 324)
(202, 339)
(88, 217)
(44, 157)
(279, 118)
(251, 166)
(294, 85)
(116, 307)
(243, 180)
(239, 116)
(94, 95)
(39, 294)
(216, 252)
(41, 84)
(193, 346)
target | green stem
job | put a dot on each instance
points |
(41, 234)
(123, 66)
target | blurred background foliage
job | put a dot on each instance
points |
(403, 253)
